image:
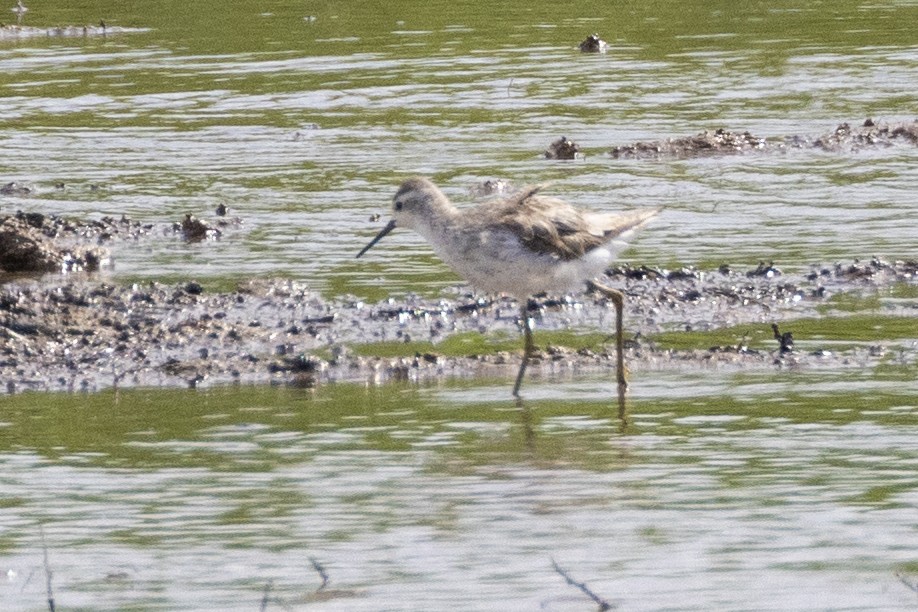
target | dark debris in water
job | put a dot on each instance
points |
(721, 141)
(869, 134)
(563, 148)
(193, 229)
(593, 44)
(768, 270)
(785, 340)
(16, 189)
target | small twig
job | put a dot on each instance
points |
(48, 572)
(321, 571)
(603, 604)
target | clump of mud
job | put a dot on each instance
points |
(563, 148)
(725, 142)
(35, 243)
(720, 141)
(193, 229)
(593, 44)
(869, 134)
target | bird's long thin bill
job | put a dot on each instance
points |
(389, 227)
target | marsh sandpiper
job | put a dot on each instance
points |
(524, 245)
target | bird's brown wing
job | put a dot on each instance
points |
(554, 227)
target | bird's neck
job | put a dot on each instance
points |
(442, 217)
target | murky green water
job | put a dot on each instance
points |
(754, 492)
(772, 490)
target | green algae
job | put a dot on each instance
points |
(838, 332)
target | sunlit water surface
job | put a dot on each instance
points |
(753, 492)
(304, 119)
(764, 491)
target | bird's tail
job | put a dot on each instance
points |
(623, 225)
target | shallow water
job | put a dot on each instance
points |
(304, 127)
(767, 490)
(756, 492)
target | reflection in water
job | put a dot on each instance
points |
(773, 490)
(306, 129)
(526, 423)
(413, 496)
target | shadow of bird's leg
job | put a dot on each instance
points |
(618, 300)
(527, 346)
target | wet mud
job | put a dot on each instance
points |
(563, 148)
(87, 334)
(35, 243)
(844, 138)
(24, 248)
(65, 326)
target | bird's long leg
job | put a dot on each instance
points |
(618, 300)
(527, 346)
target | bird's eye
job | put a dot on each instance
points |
(398, 206)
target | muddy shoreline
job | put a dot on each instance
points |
(844, 138)
(88, 334)
(65, 327)
(14, 32)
